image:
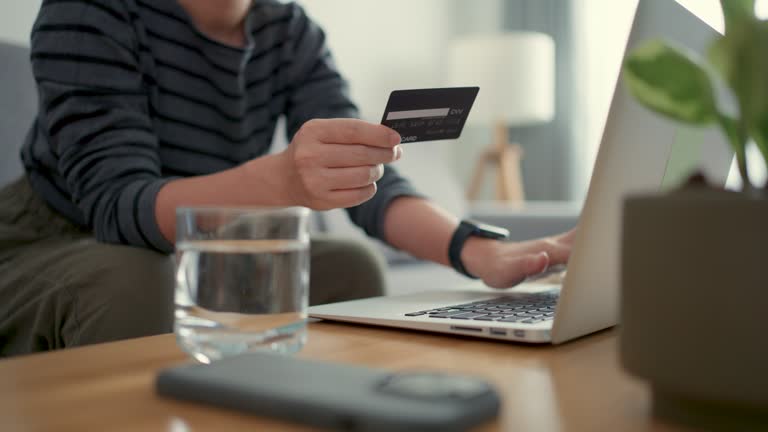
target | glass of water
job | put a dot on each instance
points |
(242, 280)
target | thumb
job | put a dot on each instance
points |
(517, 269)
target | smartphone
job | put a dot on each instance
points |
(335, 396)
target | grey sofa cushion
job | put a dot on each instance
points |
(18, 106)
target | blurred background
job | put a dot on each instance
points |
(556, 122)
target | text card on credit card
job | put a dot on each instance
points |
(429, 114)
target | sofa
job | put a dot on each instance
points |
(18, 104)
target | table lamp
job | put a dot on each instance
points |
(516, 75)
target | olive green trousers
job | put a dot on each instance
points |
(61, 288)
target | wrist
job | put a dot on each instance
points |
(271, 171)
(477, 252)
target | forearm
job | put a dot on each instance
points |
(424, 230)
(259, 182)
(420, 228)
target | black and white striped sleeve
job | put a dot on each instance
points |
(95, 110)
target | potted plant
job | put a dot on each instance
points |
(695, 261)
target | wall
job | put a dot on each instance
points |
(379, 47)
(16, 18)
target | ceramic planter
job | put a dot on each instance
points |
(694, 305)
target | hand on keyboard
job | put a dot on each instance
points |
(553, 275)
(506, 264)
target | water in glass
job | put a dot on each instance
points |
(234, 296)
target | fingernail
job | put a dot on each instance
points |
(542, 258)
(398, 152)
(394, 138)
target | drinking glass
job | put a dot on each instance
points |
(242, 277)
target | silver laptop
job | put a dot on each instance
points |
(639, 152)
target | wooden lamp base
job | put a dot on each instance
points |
(505, 158)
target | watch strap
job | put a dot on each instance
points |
(460, 236)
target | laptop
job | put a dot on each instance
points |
(639, 152)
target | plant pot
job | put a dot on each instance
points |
(694, 305)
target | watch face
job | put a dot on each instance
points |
(490, 231)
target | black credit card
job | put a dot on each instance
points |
(429, 114)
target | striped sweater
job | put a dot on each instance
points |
(133, 95)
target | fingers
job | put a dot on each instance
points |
(567, 237)
(351, 131)
(351, 178)
(529, 265)
(558, 248)
(336, 162)
(516, 269)
(351, 197)
(354, 155)
(558, 252)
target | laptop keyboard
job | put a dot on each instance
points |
(519, 308)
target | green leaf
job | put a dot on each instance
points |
(720, 56)
(731, 129)
(751, 77)
(760, 135)
(741, 58)
(736, 12)
(735, 134)
(671, 83)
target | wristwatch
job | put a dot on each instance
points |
(470, 228)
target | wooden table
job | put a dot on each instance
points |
(578, 386)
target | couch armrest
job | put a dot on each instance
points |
(528, 220)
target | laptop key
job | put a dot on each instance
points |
(446, 314)
(467, 316)
(511, 319)
(415, 313)
(490, 317)
(532, 320)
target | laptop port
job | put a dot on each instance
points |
(498, 332)
(470, 329)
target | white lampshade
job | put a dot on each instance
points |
(515, 72)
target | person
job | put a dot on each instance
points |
(146, 106)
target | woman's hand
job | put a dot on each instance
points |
(505, 264)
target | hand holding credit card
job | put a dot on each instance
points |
(429, 114)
